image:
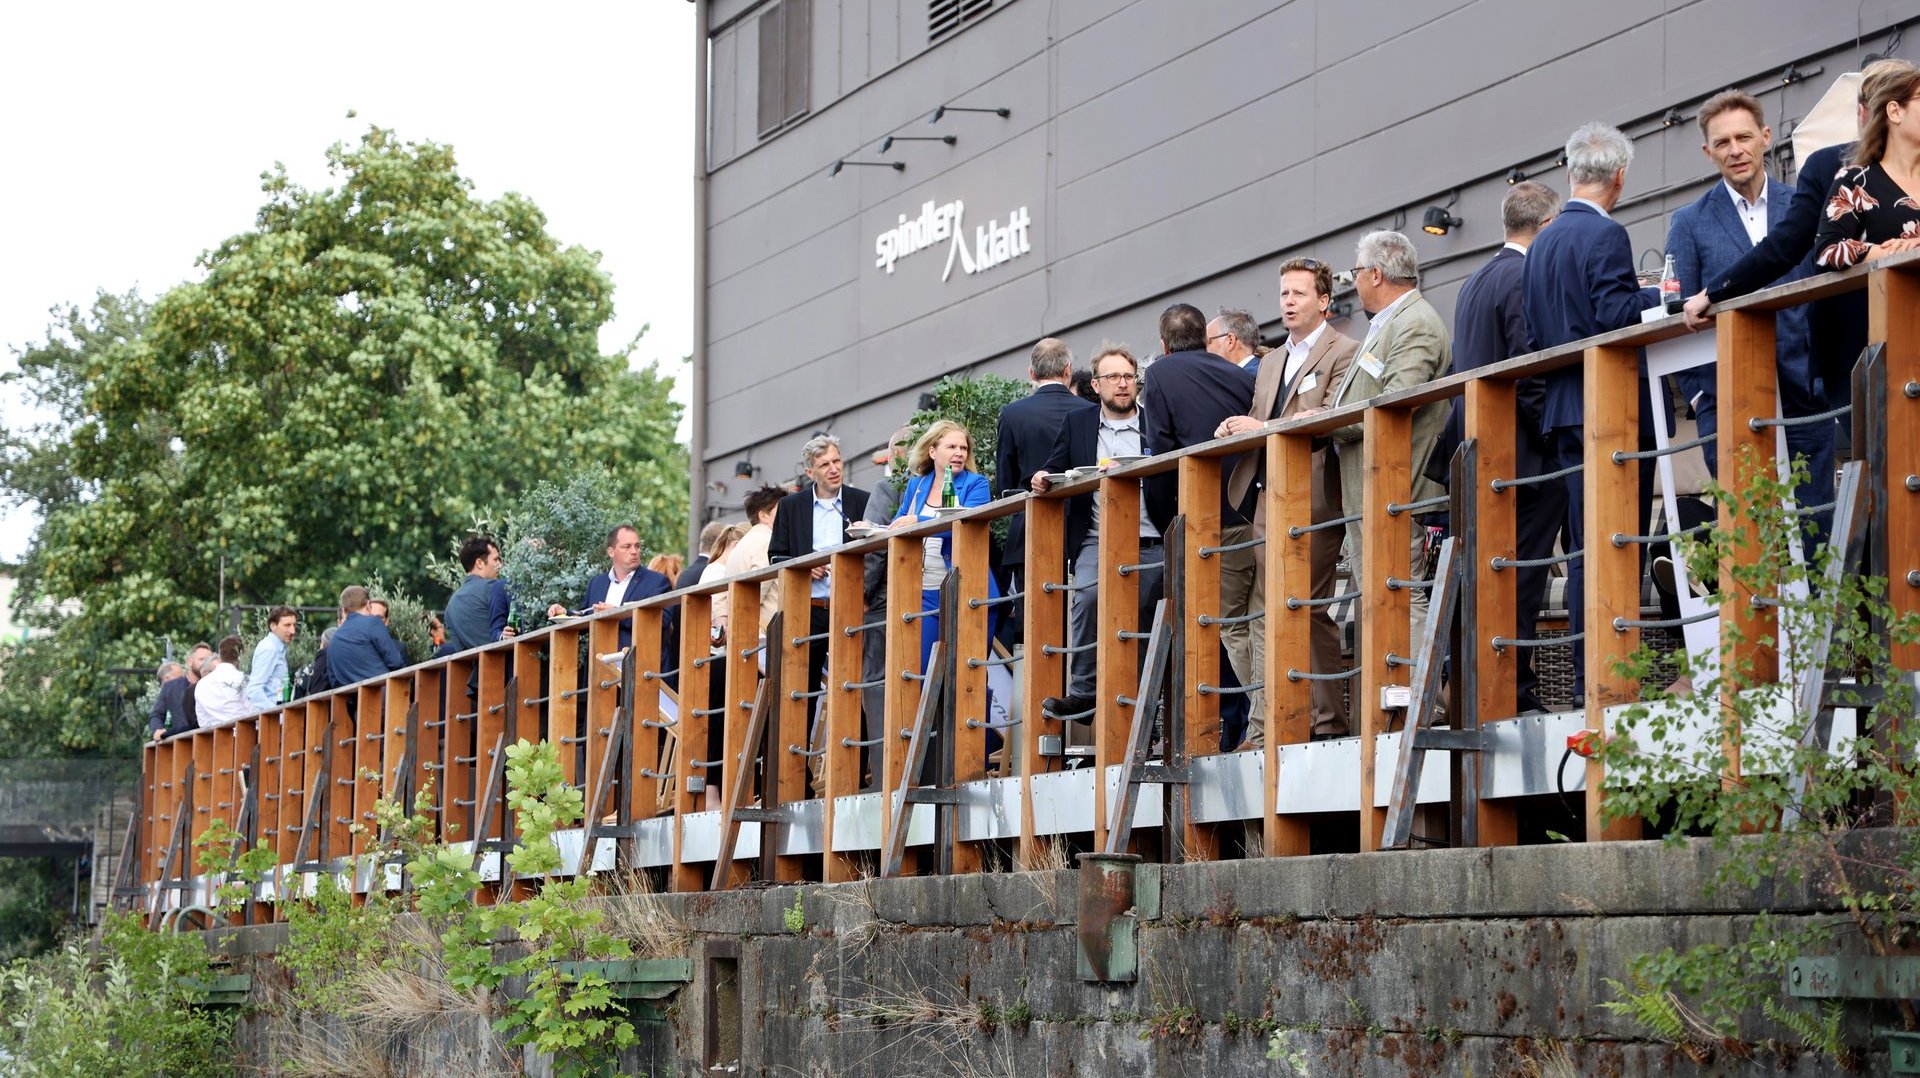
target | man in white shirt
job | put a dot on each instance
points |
(267, 681)
(221, 695)
(1300, 376)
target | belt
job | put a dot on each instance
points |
(1146, 542)
(821, 603)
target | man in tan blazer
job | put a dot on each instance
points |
(1406, 345)
(1299, 376)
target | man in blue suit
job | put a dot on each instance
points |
(1578, 281)
(1490, 325)
(1027, 431)
(1709, 236)
(624, 581)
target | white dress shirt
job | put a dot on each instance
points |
(829, 522)
(617, 588)
(1752, 214)
(1297, 355)
(221, 696)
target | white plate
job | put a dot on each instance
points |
(1125, 459)
(861, 529)
(951, 510)
(1056, 478)
(1081, 473)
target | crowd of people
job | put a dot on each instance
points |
(1565, 271)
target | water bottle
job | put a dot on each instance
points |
(1670, 296)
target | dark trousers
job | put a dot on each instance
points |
(1540, 515)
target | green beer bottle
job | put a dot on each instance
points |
(946, 488)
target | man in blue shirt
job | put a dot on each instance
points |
(267, 678)
(362, 647)
(477, 612)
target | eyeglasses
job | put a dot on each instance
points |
(1122, 378)
(1358, 270)
(1219, 337)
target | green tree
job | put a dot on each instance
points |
(349, 383)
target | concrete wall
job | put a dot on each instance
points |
(1392, 964)
(1165, 150)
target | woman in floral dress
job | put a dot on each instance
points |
(1874, 210)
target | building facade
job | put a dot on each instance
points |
(1128, 154)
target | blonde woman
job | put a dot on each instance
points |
(946, 449)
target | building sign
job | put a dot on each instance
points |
(988, 246)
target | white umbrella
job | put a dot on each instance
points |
(1834, 119)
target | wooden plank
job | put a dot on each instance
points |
(1385, 550)
(743, 683)
(393, 783)
(603, 695)
(1118, 611)
(1492, 412)
(1746, 383)
(786, 768)
(972, 542)
(647, 745)
(528, 706)
(1893, 317)
(370, 728)
(842, 762)
(491, 727)
(458, 783)
(429, 701)
(1612, 572)
(246, 737)
(1287, 562)
(222, 805)
(1200, 508)
(564, 699)
(1046, 675)
(696, 625)
(204, 744)
(340, 780)
(904, 563)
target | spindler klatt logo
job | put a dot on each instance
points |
(993, 242)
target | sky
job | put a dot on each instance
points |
(136, 134)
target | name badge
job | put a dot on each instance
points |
(1307, 383)
(1372, 366)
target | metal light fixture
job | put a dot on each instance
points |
(1672, 118)
(1515, 175)
(1003, 113)
(897, 166)
(744, 469)
(1438, 221)
(887, 143)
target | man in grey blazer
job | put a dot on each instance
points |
(1299, 376)
(1406, 344)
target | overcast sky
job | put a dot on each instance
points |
(136, 134)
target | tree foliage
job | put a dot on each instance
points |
(347, 385)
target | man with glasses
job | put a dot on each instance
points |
(1235, 335)
(625, 581)
(1316, 358)
(1088, 437)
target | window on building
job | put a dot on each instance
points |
(946, 17)
(785, 61)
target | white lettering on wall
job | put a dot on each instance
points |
(989, 245)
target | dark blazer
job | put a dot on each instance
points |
(1577, 281)
(170, 708)
(1188, 394)
(1490, 325)
(645, 585)
(362, 648)
(793, 521)
(1705, 238)
(1837, 327)
(1078, 446)
(1028, 428)
(690, 575)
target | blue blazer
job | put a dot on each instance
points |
(969, 489)
(1186, 396)
(1078, 446)
(1705, 240)
(1578, 281)
(1490, 325)
(646, 585)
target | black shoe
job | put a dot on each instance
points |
(1063, 707)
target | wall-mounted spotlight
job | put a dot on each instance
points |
(927, 402)
(944, 109)
(1439, 222)
(897, 166)
(1672, 118)
(1560, 160)
(1515, 175)
(1793, 74)
(887, 143)
(744, 469)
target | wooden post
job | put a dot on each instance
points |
(904, 565)
(1893, 317)
(1046, 674)
(428, 702)
(842, 763)
(603, 695)
(1287, 562)
(696, 658)
(1116, 673)
(786, 768)
(492, 725)
(564, 699)
(1746, 382)
(338, 813)
(369, 731)
(968, 635)
(743, 681)
(646, 746)
(459, 752)
(1492, 413)
(1386, 550)
(1200, 507)
(1612, 572)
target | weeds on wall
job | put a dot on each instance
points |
(1737, 761)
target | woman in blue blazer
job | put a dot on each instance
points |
(946, 445)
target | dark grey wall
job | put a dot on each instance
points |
(1166, 150)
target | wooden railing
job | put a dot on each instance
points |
(299, 777)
